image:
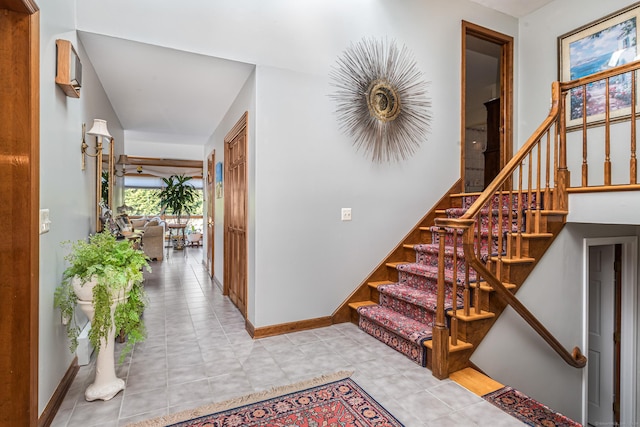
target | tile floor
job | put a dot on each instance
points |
(197, 352)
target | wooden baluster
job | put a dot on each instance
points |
(466, 293)
(498, 269)
(538, 186)
(454, 297)
(633, 166)
(547, 188)
(607, 137)
(440, 336)
(585, 166)
(527, 207)
(510, 223)
(519, 216)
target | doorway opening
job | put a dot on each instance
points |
(487, 104)
(609, 330)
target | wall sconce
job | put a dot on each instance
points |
(124, 161)
(99, 129)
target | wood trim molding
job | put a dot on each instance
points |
(49, 413)
(285, 328)
(242, 123)
(153, 161)
(19, 265)
(21, 6)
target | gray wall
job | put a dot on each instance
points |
(303, 260)
(65, 189)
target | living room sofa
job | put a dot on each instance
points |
(153, 237)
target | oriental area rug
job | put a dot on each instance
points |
(333, 400)
(527, 410)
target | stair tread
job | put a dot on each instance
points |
(357, 305)
(520, 260)
(536, 235)
(488, 288)
(418, 297)
(473, 316)
(375, 284)
(397, 323)
(460, 345)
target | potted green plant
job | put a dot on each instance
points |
(104, 278)
(177, 197)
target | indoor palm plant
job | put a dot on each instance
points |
(104, 278)
(177, 196)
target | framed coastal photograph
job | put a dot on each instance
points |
(218, 186)
(598, 46)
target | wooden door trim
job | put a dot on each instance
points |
(20, 159)
(241, 126)
(506, 88)
(211, 204)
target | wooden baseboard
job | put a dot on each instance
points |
(49, 413)
(285, 328)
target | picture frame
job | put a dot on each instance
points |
(600, 45)
(218, 185)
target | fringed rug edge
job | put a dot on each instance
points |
(237, 402)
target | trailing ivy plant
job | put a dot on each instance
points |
(116, 266)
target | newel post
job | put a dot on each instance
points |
(440, 354)
(562, 173)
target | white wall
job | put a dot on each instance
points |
(65, 190)
(537, 56)
(553, 293)
(303, 170)
(245, 102)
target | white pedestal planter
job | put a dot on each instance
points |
(106, 384)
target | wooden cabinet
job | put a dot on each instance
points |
(492, 153)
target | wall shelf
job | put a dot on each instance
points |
(68, 68)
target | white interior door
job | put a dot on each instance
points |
(601, 330)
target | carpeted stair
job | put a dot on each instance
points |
(405, 313)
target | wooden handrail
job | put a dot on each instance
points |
(467, 221)
(517, 159)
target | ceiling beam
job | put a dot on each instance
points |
(151, 161)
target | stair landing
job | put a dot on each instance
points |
(475, 381)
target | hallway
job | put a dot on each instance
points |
(197, 352)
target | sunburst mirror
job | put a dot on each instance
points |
(381, 99)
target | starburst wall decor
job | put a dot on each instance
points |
(381, 99)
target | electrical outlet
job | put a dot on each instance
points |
(346, 214)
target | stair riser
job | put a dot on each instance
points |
(432, 260)
(450, 239)
(467, 201)
(412, 311)
(413, 351)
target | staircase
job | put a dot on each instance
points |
(439, 291)
(401, 310)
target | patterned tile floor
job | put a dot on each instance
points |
(197, 352)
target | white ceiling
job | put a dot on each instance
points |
(161, 94)
(516, 8)
(166, 95)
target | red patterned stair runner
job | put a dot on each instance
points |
(405, 315)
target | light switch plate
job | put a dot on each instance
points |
(44, 221)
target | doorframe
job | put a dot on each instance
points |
(506, 89)
(629, 323)
(209, 246)
(19, 266)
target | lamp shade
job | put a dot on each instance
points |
(99, 128)
(123, 159)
